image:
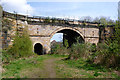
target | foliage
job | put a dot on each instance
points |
(59, 49)
(103, 20)
(54, 48)
(47, 20)
(93, 47)
(66, 44)
(6, 58)
(22, 46)
(84, 24)
(116, 35)
(53, 20)
(107, 55)
(79, 50)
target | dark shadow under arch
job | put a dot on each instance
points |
(71, 36)
(38, 49)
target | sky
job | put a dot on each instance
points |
(74, 9)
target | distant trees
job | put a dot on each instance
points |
(47, 20)
(87, 18)
(97, 20)
(102, 20)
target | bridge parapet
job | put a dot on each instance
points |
(42, 20)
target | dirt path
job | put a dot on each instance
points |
(49, 67)
(46, 70)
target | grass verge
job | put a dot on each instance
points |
(81, 69)
(16, 68)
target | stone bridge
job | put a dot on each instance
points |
(42, 29)
(43, 33)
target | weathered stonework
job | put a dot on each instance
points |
(41, 32)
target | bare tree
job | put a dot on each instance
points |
(87, 18)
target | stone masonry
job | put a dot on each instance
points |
(41, 32)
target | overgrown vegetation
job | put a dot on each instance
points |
(58, 48)
(105, 54)
(108, 53)
(79, 50)
(22, 47)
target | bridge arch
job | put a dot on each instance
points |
(70, 34)
(38, 48)
(59, 29)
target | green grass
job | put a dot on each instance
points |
(97, 70)
(15, 68)
(81, 69)
(83, 64)
(24, 68)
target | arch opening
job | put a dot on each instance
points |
(71, 36)
(38, 49)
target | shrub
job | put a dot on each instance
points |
(59, 49)
(107, 54)
(79, 50)
(93, 47)
(6, 58)
(22, 46)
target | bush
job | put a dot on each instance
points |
(107, 55)
(93, 47)
(79, 50)
(6, 58)
(59, 49)
(22, 46)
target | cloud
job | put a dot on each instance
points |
(19, 6)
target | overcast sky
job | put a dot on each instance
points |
(63, 8)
